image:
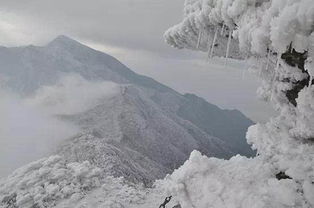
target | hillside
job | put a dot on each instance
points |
(143, 131)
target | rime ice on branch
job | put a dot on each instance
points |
(277, 36)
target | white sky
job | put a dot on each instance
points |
(132, 31)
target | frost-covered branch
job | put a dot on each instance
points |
(277, 37)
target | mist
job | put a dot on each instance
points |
(30, 127)
(70, 95)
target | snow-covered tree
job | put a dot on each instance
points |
(277, 37)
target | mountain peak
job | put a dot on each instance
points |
(63, 41)
(63, 38)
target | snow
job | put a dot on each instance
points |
(132, 136)
(114, 192)
(132, 126)
(277, 37)
(199, 39)
(239, 182)
(54, 182)
(213, 44)
(228, 44)
(273, 24)
(45, 182)
(272, 33)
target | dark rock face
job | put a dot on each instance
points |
(282, 175)
(297, 60)
(207, 117)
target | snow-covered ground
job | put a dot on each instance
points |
(53, 182)
(44, 182)
(239, 182)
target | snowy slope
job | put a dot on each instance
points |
(142, 131)
(44, 182)
(26, 69)
(54, 182)
(146, 142)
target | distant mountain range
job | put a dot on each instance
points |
(142, 132)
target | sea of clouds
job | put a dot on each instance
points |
(31, 127)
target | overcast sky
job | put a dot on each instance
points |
(132, 31)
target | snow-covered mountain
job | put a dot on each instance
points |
(28, 68)
(142, 131)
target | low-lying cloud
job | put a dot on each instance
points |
(72, 94)
(29, 127)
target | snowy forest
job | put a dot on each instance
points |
(132, 142)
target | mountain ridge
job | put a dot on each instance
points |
(145, 128)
